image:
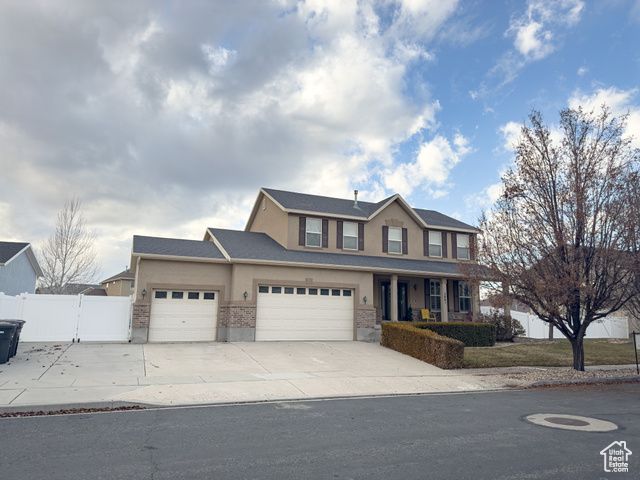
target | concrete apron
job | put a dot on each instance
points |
(51, 376)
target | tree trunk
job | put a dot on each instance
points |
(550, 331)
(577, 345)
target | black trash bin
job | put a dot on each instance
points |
(16, 337)
(7, 335)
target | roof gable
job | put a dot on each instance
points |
(11, 250)
(124, 275)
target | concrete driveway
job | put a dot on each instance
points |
(52, 376)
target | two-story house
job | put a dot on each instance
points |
(306, 267)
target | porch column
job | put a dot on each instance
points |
(444, 307)
(394, 298)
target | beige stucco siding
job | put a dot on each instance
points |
(247, 278)
(179, 274)
(270, 219)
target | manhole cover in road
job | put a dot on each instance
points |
(571, 422)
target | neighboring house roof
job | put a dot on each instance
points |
(347, 208)
(174, 247)
(96, 292)
(124, 275)
(72, 289)
(11, 250)
(255, 247)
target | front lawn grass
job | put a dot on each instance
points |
(556, 354)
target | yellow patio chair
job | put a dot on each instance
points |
(426, 315)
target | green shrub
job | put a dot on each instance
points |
(507, 328)
(422, 344)
(471, 334)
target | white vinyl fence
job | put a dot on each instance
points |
(608, 327)
(66, 318)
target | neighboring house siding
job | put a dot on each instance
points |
(270, 219)
(18, 276)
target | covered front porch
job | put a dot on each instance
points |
(402, 297)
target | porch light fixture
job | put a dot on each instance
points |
(365, 299)
(245, 295)
(144, 293)
(415, 286)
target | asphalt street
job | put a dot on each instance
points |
(458, 436)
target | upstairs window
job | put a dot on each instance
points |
(350, 236)
(463, 246)
(395, 240)
(435, 244)
(314, 232)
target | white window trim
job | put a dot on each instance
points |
(389, 240)
(464, 249)
(307, 232)
(345, 236)
(435, 244)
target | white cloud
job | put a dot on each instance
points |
(582, 71)
(621, 102)
(431, 168)
(510, 133)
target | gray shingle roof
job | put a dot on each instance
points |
(8, 250)
(345, 207)
(437, 219)
(175, 247)
(243, 245)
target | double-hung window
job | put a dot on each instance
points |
(464, 295)
(434, 296)
(350, 236)
(435, 244)
(463, 246)
(314, 232)
(395, 240)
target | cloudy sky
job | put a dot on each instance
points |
(166, 117)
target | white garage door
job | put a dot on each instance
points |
(183, 316)
(301, 313)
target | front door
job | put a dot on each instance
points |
(403, 300)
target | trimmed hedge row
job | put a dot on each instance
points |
(422, 344)
(471, 334)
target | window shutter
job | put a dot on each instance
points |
(325, 233)
(454, 245)
(361, 236)
(427, 293)
(456, 297)
(385, 239)
(302, 231)
(339, 234)
(425, 242)
(444, 244)
(472, 247)
(405, 247)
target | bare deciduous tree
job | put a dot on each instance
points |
(67, 255)
(562, 237)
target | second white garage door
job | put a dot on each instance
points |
(302, 313)
(183, 316)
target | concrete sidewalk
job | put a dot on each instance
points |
(93, 375)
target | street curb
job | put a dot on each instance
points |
(579, 381)
(118, 404)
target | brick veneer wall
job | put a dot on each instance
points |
(378, 316)
(365, 318)
(141, 315)
(236, 316)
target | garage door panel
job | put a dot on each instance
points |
(183, 319)
(282, 316)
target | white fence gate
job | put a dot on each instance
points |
(608, 327)
(65, 318)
